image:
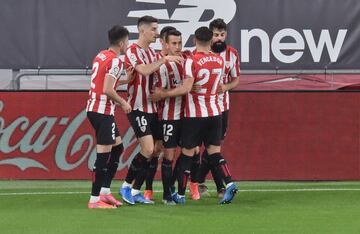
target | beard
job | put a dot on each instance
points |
(218, 46)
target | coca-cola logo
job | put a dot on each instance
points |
(21, 137)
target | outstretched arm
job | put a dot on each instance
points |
(147, 69)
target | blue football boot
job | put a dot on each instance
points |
(125, 193)
(139, 198)
(178, 199)
(229, 194)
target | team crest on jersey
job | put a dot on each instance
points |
(166, 138)
(183, 15)
(227, 64)
(143, 128)
(115, 71)
(132, 58)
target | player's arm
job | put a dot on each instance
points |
(110, 92)
(159, 93)
(181, 90)
(147, 69)
(134, 60)
(229, 86)
(234, 74)
(196, 88)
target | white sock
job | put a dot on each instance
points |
(125, 184)
(229, 184)
(181, 196)
(134, 192)
(105, 191)
(94, 199)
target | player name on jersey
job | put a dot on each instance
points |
(204, 60)
(207, 71)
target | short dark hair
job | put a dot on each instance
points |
(173, 32)
(147, 19)
(117, 33)
(203, 35)
(218, 24)
(165, 30)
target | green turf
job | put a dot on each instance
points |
(254, 210)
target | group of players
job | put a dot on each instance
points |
(175, 98)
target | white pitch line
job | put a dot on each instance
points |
(300, 190)
(41, 193)
(160, 191)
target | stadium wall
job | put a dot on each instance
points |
(271, 136)
(269, 35)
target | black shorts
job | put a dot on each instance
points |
(224, 126)
(171, 133)
(145, 124)
(105, 128)
(197, 131)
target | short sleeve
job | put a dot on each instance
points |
(235, 70)
(132, 57)
(114, 68)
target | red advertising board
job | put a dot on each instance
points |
(294, 136)
(271, 136)
(46, 135)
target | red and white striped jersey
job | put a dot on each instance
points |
(105, 62)
(232, 70)
(139, 89)
(159, 55)
(207, 70)
(170, 76)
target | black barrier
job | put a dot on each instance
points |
(269, 34)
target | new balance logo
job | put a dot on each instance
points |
(295, 49)
(186, 16)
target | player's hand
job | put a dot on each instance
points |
(125, 106)
(195, 88)
(130, 72)
(222, 88)
(157, 94)
(171, 58)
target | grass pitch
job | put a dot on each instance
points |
(260, 207)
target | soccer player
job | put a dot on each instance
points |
(228, 82)
(202, 121)
(196, 159)
(151, 171)
(100, 109)
(170, 75)
(143, 117)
